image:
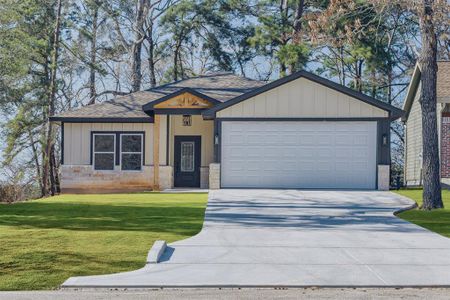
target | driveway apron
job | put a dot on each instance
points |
(296, 238)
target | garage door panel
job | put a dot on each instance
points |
(298, 154)
(343, 139)
(324, 139)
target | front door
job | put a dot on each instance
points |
(187, 161)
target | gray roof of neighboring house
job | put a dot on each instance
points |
(221, 87)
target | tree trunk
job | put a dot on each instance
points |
(50, 110)
(52, 170)
(283, 69)
(296, 31)
(430, 164)
(136, 76)
(36, 162)
(93, 58)
(180, 63)
(151, 56)
(176, 60)
(54, 162)
(390, 80)
(136, 49)
(297, 28)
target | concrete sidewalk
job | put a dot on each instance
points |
(223, 294)
(291, 238)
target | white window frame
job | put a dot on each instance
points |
(103, 152)
(142, 152)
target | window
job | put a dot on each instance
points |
(131, 152)
(104, 151)
(118, 148)
(187, 120)
(187, 156)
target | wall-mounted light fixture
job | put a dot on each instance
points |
(384, 140)
(216, 140)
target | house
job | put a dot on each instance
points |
(413, 126)
(225, 131)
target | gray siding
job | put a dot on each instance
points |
(413, 163)
(413, 135)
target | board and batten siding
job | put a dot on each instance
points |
(302, 98)
(413, 163)
(77, 140)
(198, 127)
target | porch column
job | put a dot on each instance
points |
(156, 126)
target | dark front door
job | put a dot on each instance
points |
(187, 161)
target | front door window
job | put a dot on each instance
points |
(187, 156)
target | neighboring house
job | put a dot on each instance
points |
(413, 126)
(225, 131)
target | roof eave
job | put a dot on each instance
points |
(101, 119)
(412, 92)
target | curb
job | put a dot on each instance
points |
(412, 206)
(156, 251)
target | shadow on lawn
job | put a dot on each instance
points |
(437, 220)
(77, 216)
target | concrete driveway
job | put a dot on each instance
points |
(296, 238)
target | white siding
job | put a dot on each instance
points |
(302, 98)
(77, 140)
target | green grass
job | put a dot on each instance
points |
(46, 241)
(435, 220)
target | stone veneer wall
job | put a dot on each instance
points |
(204, 177)
(214, 176)
(84, 179)
(445, 146)
(383, 177)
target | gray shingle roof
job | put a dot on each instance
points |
(222, 87)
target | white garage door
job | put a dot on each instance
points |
(292, 154)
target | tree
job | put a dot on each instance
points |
(49, 162)
(373, 44)
(432, 197)
(27, 40)
(430, 14)
(89, 21)
(364, 47)
(278, 32)
(201, 37)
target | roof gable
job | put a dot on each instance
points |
(302, 98)
(442, 86)
(393, 111)
(185, 98)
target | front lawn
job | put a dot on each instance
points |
(44, 242)
(436, 220)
